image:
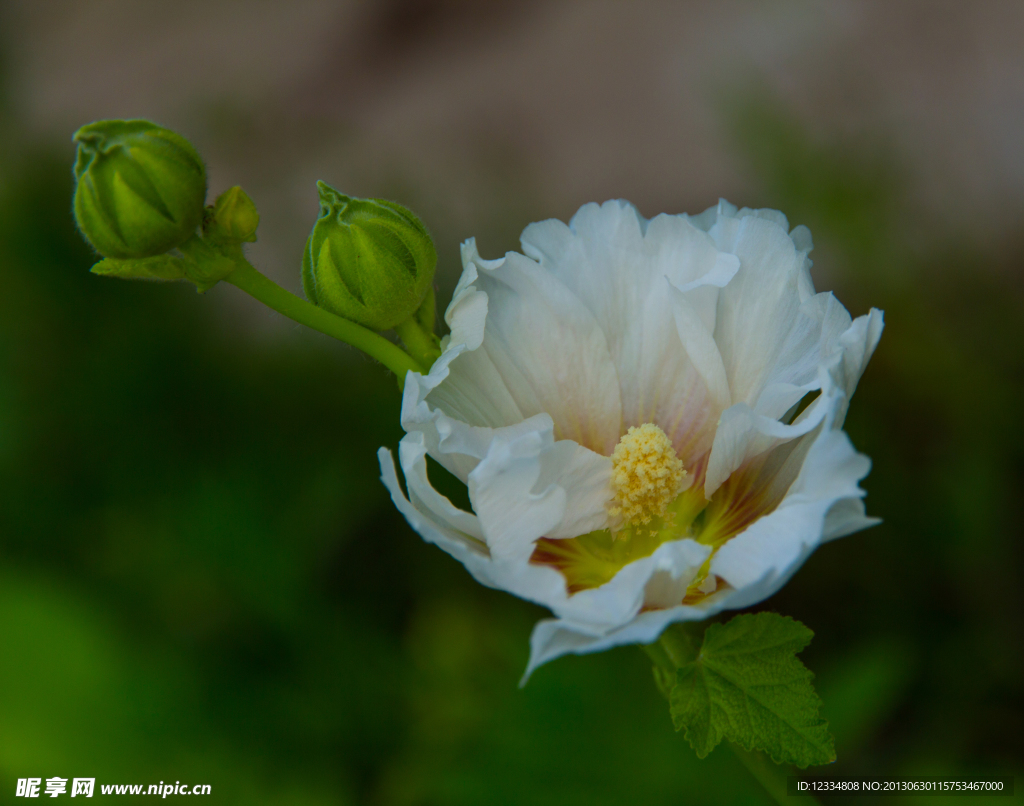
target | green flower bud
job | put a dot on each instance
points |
(367, 260)
(141, 188)
(233, 218)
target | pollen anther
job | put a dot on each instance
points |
(646, 475)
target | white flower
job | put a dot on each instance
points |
(620, 401)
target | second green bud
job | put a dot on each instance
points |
(368, 260)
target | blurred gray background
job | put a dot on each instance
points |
(483, 116)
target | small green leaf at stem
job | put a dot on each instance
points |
(746, 685)
(159, 267)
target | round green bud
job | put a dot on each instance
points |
(141, 188)
(368, 260)
(233, 218)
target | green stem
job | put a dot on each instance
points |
(682, 641)
(656, 652)
(771, 776)
(305, 313)
(422, 346)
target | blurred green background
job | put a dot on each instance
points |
(202, 578)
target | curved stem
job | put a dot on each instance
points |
(656, 652)
(421, 345)
(769, 775)
(247, 278)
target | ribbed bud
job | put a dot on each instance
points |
(141, 188)
(367, 260)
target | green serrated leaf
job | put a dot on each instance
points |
(159, 267)
(747, 685)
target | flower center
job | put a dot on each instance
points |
(646, 475)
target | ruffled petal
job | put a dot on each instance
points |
(613, 260)
(858, 344)
(523, 484)
(586, 478)
(652, 286)
(674, 568)
(651, 578)
(595, 611)
(664, 572)
(845, 517)
(552, 638)
(825, 502)
(841, 357)
(530, 486)
(450, 440)
(542, 351)
(466, 315)
(743, 434)
(761, 559)
(762, 332)
(434, 526)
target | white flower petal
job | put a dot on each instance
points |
(522, 483)
(586, 478)
(599, 257)
(635, 586)
(624, 270)
(467, 313)
(542, 351)
(744, 433)
(760, 560)
(577, 632)
(706, 220)
(802, 239)
(699, 347)
(504, 492)
(553, 638)
(463, 547)
(845, 517)
(675, 566)
(596, 610)
(813, 338)
(473, 391)
(438, 523)
(456, 445)
(762, 305)
(858, 345)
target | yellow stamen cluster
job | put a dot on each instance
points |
(646, 475)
